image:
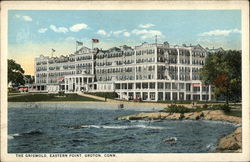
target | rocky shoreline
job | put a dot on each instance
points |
(231, 142)
(228, 143)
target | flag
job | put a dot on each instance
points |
(53, 50)
(95, 40)
(79, 43)
(60, 79)
(196, 84)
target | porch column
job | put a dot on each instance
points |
(209, 93)
(191, 90)
(185, 87)
(200, 91)
(178, 90)
(156, 91)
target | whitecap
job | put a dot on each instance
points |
(122, 126)
(12, 136)
(210, 146)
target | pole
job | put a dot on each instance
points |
(52, 53)
(92, 44)
(76, 46)
(156, 40)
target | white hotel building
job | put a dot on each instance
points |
(151, 72)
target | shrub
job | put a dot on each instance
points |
(111, 95)
(205, 107)
(226, 108)
(182, 116)
(198, 109)
(61, 93)
(177, 109)
(12, 90)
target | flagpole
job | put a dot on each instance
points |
(76, 46)
(52, 52)
(156, 40)
(92, 44)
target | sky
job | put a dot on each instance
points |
(35, 32)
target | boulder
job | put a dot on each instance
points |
(233, 141)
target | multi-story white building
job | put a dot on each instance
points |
(150, 72)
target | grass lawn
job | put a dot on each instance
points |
(48, 97)
(231, 110)
(14, 94)
(234, 112)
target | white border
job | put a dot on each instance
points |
(135, 5)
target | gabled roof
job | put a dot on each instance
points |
(114, 49)
(83, 50)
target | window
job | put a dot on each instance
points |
(160, 85)
(152, 85)
(167, 85)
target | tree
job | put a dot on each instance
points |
(15, 73)
(29, 79)
(223, 70)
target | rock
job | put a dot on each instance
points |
(171, 139)
(229, 143)
(79, 126)
(219, 115)
(174, 116)
(233, 141)
(208, 115)
(140, 116)
(193, 115)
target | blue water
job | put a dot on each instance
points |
(55, 128)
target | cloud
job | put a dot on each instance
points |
(77, 27)
(126, 34)
(220, 32)
(118, 32)
(113, 33)
(25, 18)
(101, 32)
(18, 16)
(146, 25)
(145, 34)
(58, 29)
(42, 30)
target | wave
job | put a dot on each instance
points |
(29, 133)
(222, 122)
(117, 126)
(12, 136)
(210, 146)
(33, 132)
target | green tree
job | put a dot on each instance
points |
(223, 70)
(15, 73)
(29, 79)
